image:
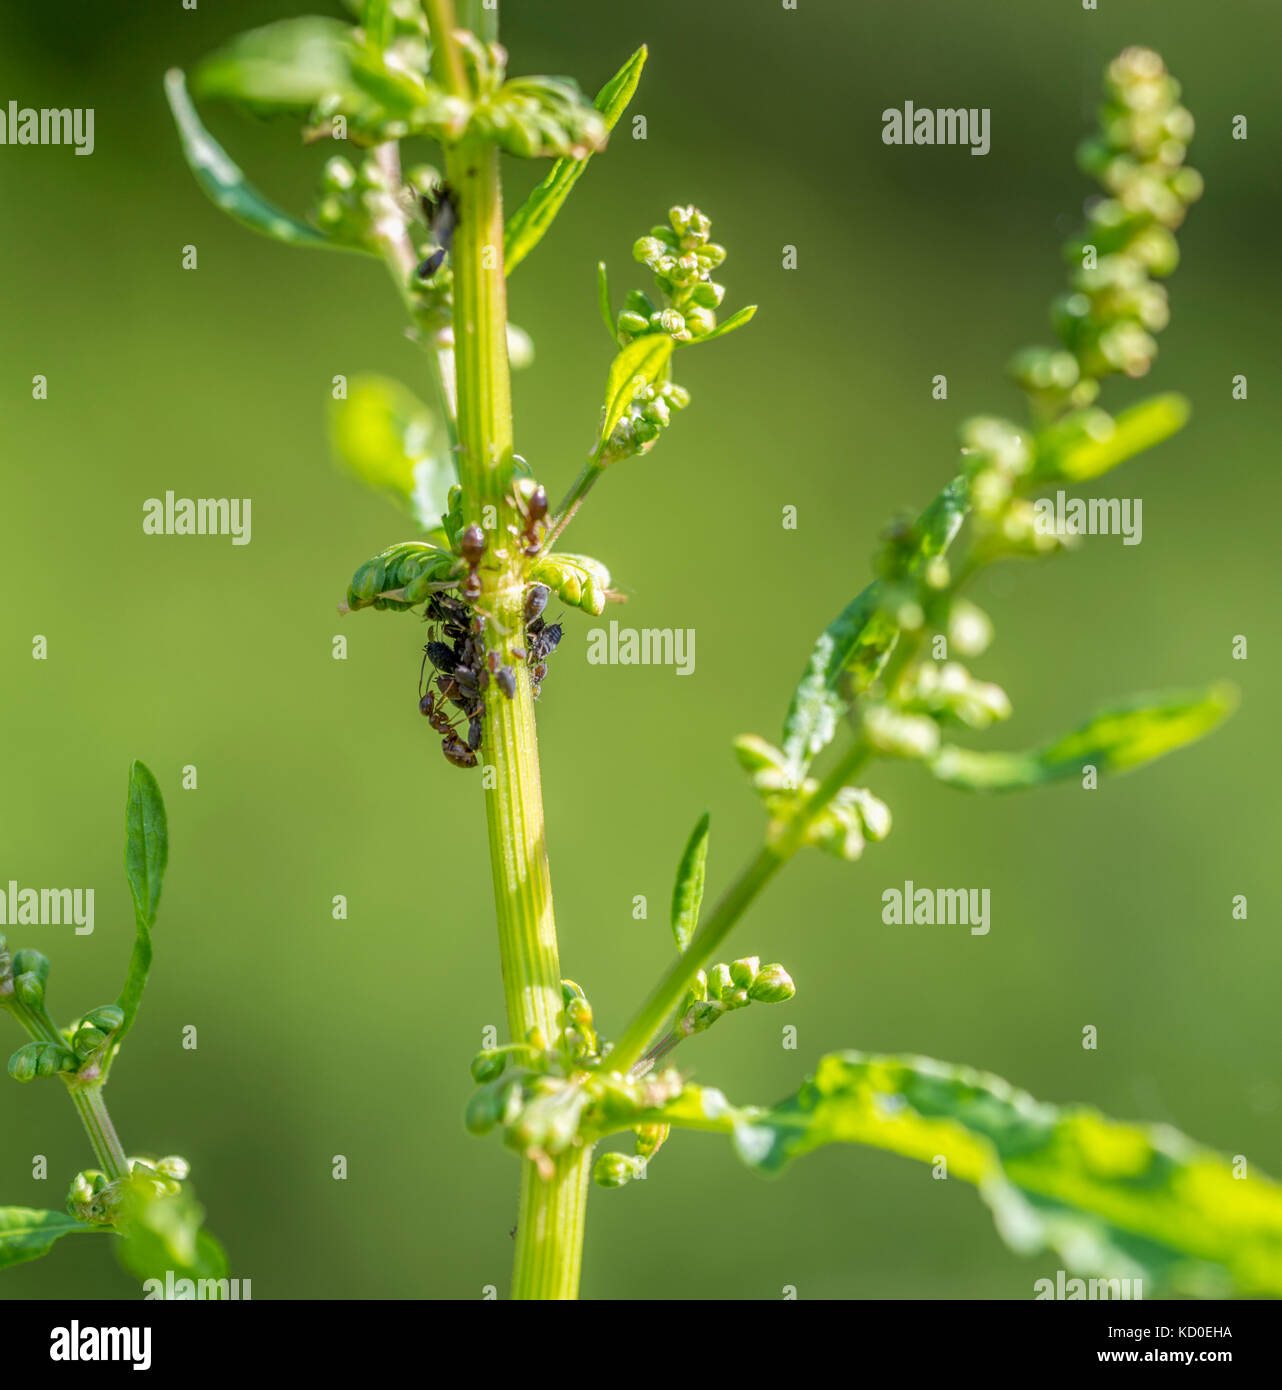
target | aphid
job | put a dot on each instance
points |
(440, 211)
(545, 643)
(536, 600)
(474, 732)
(441, 655)
(505, 678)
(472, 548)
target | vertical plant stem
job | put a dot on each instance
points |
(549, 1238)
(92, 1110)
(550, 1221)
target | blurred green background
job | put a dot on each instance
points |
(318, 777)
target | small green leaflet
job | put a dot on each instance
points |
(1090, 442)
(527, 225)
(146, 854)
(26, 1234)
(853, 647)
(385, 436)
(1111, 1199)
(639, 364)
(736, 320)
(224, 182)
(603, 301)
(1115, 740)
(687, 892)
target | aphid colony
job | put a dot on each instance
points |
(465, 669)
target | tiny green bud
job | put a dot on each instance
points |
(744, 971)
(488, 1066)
(773, 985)
(719, 981)
(635, 324)
(30, 972)
(648, 249)
(81, 1189)
(40, 1059)
(172, 1166)
(617, 1170)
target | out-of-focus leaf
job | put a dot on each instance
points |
(225, 184)
(289, 65)
(1115, 740)
(736, 320)
(165, 1232)
(385, 436)
(1112, 1200)
(852, 649)
(26, 1234)
(1090, 442)
(527, 225)
(639, 364)
(146, 855)
(687, 892)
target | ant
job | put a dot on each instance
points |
(536, 510)
(440, 211)
(472, 548)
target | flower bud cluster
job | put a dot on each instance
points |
(723, 988)
(1109, 316)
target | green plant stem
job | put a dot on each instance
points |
(550, 1228)
(92, 1109)
(733, 903)
(571, 502)
(550, 1222)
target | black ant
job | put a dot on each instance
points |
(440, 211)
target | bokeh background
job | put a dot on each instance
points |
(317, 777)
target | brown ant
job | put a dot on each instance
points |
(472, 549)
(536, 510)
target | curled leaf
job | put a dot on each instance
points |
(579, 580)
(1111, 1199)
(222, 180)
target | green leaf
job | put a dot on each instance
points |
(163, 1232)
(1087, 443)
(603, 301)
(527, 225)
(639, 364)
(736, 320)
(1115, 740)
(1111, 1199)
(226, 185)
(290, 65)
(146, 854)
(852, 649)
(687, 892)
(386, 437)
(26, 1234)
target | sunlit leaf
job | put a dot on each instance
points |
(1115, 740)
(163, 1233)
(527, 225)
(736, 320)
(853, 647)
(226, 185)
(687, 892)
(639, 364)
(1090, 442)
(1112, 1200)
(385, 436)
